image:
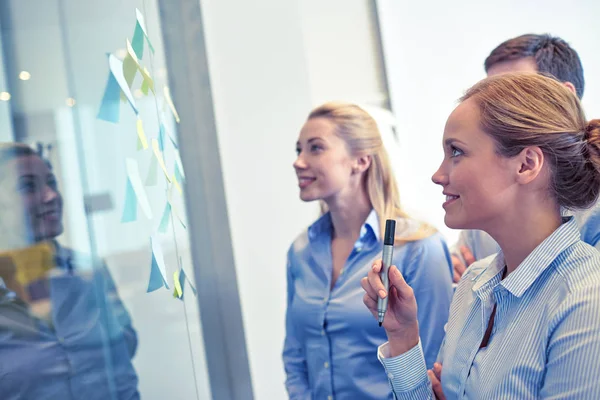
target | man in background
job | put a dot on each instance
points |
(529, 53)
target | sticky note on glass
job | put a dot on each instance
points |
(116, 69)
(178, 284)
(140, 33)
(130, 207)
(159, 158)
(133, 173)
(158, 269)
(141, 134)
(151, 178)
(131, 65)
(179, 164)
(110, 108)
(164, 221)
(169, 101)
(183, 278)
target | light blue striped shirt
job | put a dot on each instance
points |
(331, 337)
(545, 341)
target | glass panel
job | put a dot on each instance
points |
(84, 311)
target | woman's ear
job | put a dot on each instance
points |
(362, 164)
(531, 161)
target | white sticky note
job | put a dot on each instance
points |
(179, 163)
(141, 21)
(133, 172)
(116, 68)
(159, 157)
(159, 257)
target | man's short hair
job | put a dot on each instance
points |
(552, 56)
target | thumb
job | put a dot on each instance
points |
(397, 280)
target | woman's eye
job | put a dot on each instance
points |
(455, 152)
(315, 147)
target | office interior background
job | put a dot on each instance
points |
(242, 76)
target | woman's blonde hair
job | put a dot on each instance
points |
(521, 110)
(360, 132)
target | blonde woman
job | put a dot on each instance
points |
(525, 323)
(331, 339)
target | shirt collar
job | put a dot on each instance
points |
(324, 225)
(535, 263)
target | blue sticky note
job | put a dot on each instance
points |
(178, 174)
(164, 221)
(110, 107)
(130, 207)
(156, 279)
(161, 138)
(137, 42)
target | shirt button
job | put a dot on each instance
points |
(391, 376)
(329, 397)
(326, 364)
(322, 332)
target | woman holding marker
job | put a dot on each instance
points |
(524, 323)
(330, 343)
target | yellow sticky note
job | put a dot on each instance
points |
(159, 158)
(169, 101)
(178, 289)
(141, 134)
(148, 81)
(176, 184)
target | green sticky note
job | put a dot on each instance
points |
(137, 42)
(130, 207)
(145, 87)
(151, 178)
(178, 174)
(164, 221)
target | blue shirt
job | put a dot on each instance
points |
(331, 337)
(83, 352)
(482, 245)
(545, 341)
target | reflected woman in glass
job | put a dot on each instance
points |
(331, 339)
(64, 332)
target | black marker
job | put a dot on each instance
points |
(388, 252)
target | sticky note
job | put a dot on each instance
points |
(178, 174)
(161, 137)
(130, 207)
(139, 145)
(174, 210)
(169, 101)
(137, 41)
(142, 24)
(179, 164)
(133, 173)
(116, 68)
(151, 178)
(158, 269)
(145, 87)
(176, 184)
(130, 67)
(148, 81)
(129, 71)
(110, 107)
(159, 158)
(141, 134)
(177, 284)
(164, 221)
(183, 277)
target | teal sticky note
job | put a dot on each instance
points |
(161, 138)
(158, 270)
(156, 279)
(173, 142)
(151, 178)
(110, 107)
(137, 42)
(130, 207)
(164, 221)
(178, 174)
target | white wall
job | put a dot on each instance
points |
(435, 51)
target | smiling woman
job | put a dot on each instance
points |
(60, 314)
(331, 339)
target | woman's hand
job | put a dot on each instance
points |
(400, 320)
(435, 376)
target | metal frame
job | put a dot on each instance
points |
(212, 252)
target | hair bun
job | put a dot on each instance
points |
(592, 130)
